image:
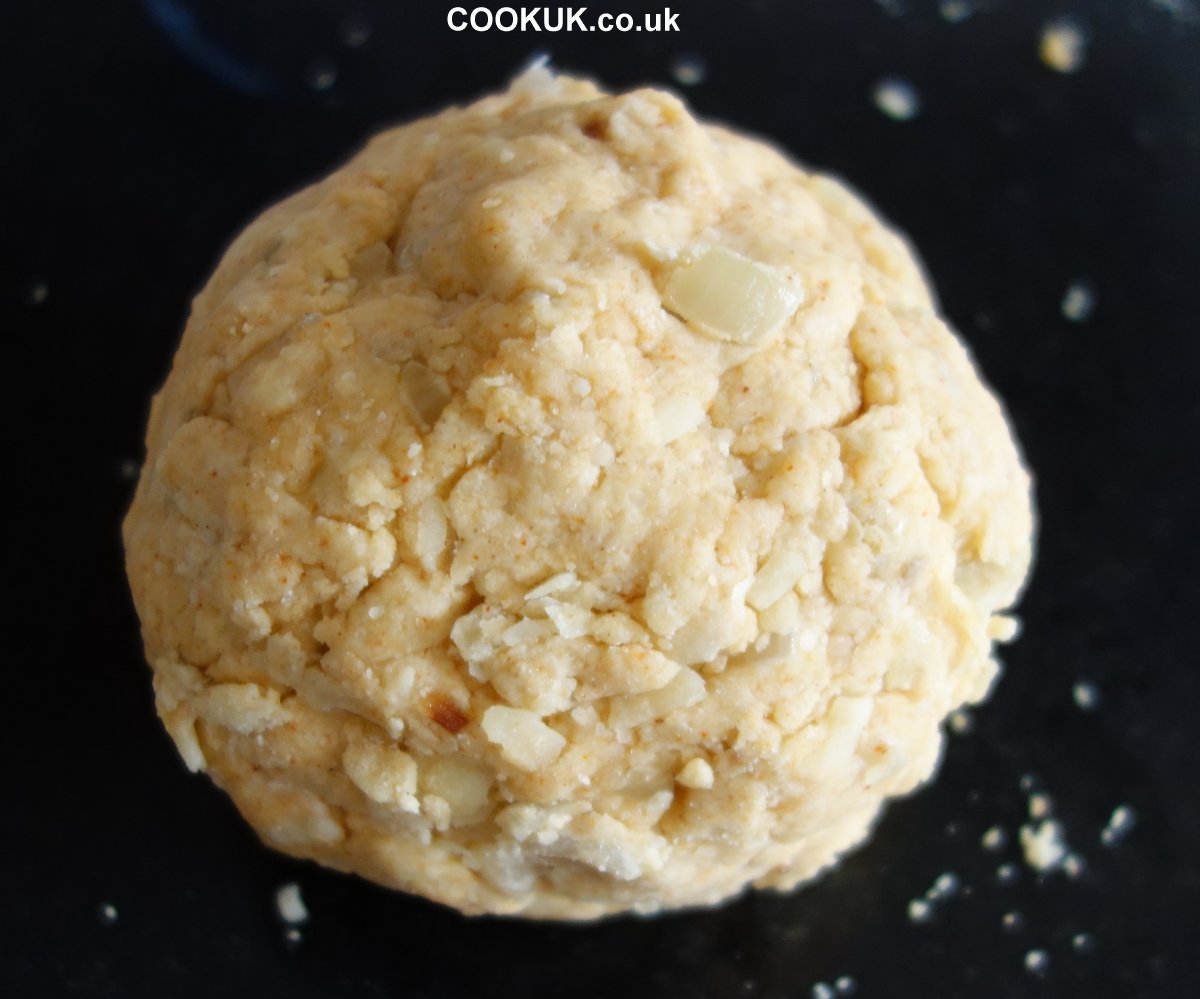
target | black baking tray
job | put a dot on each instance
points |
(140, 136)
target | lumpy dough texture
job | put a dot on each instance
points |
(568, 507)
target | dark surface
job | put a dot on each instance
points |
(132, 154)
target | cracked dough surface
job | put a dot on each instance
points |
(465, 564)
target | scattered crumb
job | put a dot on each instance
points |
(1063, 45)
(1006, 874)
(1037, 961)
(846, 985)
(689, 69)
(993, 839)
(1043, 845)
(107, 913)
(944, 887)
(1083, 943)
(1079, 301)
(961, 722)
(896, 98)
(292, 935)
(1012, 921)
(1027, 782)
(1074, 865)
(1039, 805)
(955, 11)
(919, 911)
(1119, 824)
(321, 75)
(289, 903)
(39, 291)
(822, 991)
(355, 33)
(1087, 695)
(1181, 10)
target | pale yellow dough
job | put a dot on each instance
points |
(466, 564)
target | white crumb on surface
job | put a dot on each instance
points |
(39, 291)
(1079, 301)
(107, 913)
(846, 985)
(919, 911)
(1083, 943)
(1063, 45)
(321, 75)
(696, 773)
(290, 905)
(1037, 961)
(689, 69)
(961, 722)
(822, 990)
(946, 886)
(1181, 10)
(1027, 782)
(1043, 845)
(896, 98)
(1006, 874)
(1119, 823)
(292, 935)
(1039, 805)
(355, 32)
(1074, 865)
(1086, 695)
(1012, 921)
(955, 11)
(993, 839)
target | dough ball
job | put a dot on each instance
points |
(568, 507)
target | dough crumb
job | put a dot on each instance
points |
(1043, 845)
(955, 11)
(919, 911)
(1006, 874)
(1119, 825)
(1086, 695)
(961, 722)
(1063, 45)
(689, 69)
(1079, 301)
(1037, 961)
(289, 904)
(897, 98)
(994, 839)
(321, 75)
(107, 913)
(696, 773)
